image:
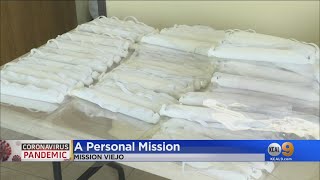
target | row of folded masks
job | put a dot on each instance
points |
(290, 54)
(175, 128)
(248, 96)
(153, 76)
(252, 62)
(240, 112)
(74, 59)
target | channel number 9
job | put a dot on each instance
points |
(287, 149)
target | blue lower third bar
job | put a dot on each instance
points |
(171, 157)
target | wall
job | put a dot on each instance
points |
(290, 19)
(30, 24)
(83, 14)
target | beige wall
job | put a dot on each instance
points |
(290, 19)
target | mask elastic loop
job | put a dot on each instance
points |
(33, 51)
(55, 42)
(134, 19)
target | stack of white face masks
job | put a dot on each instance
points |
(214, 115)
(193, 39)
(49, 73)
(287, 60)
(182, 129)
(42, 80)
(129, 28)
(271, 67)
(244, 45)
(149, 79)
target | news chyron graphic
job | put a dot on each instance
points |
(39, 150)
(281, 152)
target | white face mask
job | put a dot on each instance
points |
(185, 129)
(261, 85)
(152, 83)
(134, 94)
(236, 120)
(97, 39)
(79, 73)
(310, 107)
(253, 39)
(31, 92)
(238, 102)
(186, 45)
(260, 54)
(116, 105)
(105, 30)
(257, 71)
(106, 58)
(38, 82)
(22, 69)
(100, 50)
(133, 25)
(198, 33)
(302, 69)
(95, 65)
(31, 105)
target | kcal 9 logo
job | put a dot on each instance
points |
(287, 149)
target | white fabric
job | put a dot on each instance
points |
(79, 73)
(317, 71)
(153, 83)
(234, 120)
(303, 126)
(196, 32)
(108, 30)
(245, 38)
(252, 39)
(266, 86)
(310, 107)
(106, 58)
(134, 94)
(41, 73)
(115, 104)
(38, 82)
(258, 71)
(96, 39)
(31, 92)
(95, 65)
(238, 102)
(187, 45)
(302, 69)
(183, 129)
(129, 22)
(260, 54)
(76, 46)
(29, 104)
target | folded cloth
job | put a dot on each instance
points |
(264, 72)
(290, 56)
(301, 125)
(31, 92)
(187, 45)
(196, 32)
(266, 86)
(240, 102)
(116, 104)
(253, 39)
(94, 64)
(29, 104)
